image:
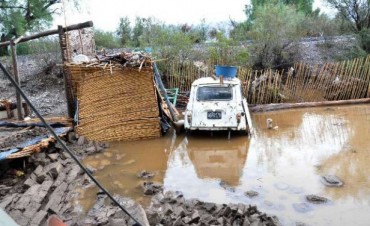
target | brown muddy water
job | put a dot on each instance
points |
(282, 165)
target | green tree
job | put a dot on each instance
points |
(19, 16)
(274, 31)
(137, 31)
(356, 12)
(124, 30)
(106, 39)
(304, 6)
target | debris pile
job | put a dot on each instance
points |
(46, 184)
(172, 208)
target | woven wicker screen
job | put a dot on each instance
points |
(115, 103)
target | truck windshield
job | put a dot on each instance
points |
(207, 93)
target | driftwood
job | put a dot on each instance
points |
(274, 107)
(27, 151)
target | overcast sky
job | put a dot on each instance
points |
(106, 13)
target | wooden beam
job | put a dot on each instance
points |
(275, 107)
(66, 75)
(51, 32)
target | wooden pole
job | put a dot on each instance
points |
(51, 32)
(66, 75)
(274, 107)
(16, 78)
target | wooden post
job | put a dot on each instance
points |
(66, 74)
(16, 78)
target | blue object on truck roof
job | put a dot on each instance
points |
(226, 71)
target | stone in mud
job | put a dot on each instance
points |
(209, 206)
(331, 181)
(81, 140)
(28, 183)
(194, 217)
(151, 188)
(53, 157)
(226, 211)
(251, 193)
(227, 187)
(179, 211)
(153, 217)
(54, 169)
(145, 175)
(316, 199)
(281, 186)
(302, 207)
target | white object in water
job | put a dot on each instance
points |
(269, 123)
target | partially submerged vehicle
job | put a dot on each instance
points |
(217, 103)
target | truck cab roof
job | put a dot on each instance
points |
(212, 81)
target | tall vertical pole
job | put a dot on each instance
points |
(16, 78)
(66, 75)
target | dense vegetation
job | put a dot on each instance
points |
(267, 38)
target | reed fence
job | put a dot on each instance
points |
(302, 83)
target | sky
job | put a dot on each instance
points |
(106, 13)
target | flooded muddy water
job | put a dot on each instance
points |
(283, 165)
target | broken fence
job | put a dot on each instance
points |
(302, 83)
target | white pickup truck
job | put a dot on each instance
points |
(217, 103)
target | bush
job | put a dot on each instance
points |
(106, 39)
(275, 31)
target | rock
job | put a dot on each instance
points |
(54, 169)
(281, 186)
(117, 222)
(206, 219)
(251, 194)
(226, 211)
(194, 217)
(186, 219)
(153, 217)
(145, 175)
(316, 199)
(177, 222)
(53, 157)
(179, 211)
(81, 140)
(246, 221)
(302, 207)
(28, 183)
(241, 209)
(209, 206)
(39, 173)
(331, 181)
(151, 188)
(6, 201)
(167, 209)
(57, 197)
(225, 186)
(72, 137)
(39, 218)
